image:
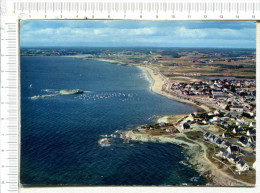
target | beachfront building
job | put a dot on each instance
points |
(242, 166)
(206, 135)
(212, 138)
(233, 149)
(237, 131)
(254, 165)
(244, 142)
(252, 124)
(221, 152)
(232, 159)
(225, 155)
(226, 145)
(226, 135)
(215, 119)
(218, 142)
(162, 124)
(206, 121)
(251, 132)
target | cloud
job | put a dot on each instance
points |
(138, 33)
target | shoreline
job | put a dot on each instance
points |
(158, 84)
(199, 160)
(195, 150)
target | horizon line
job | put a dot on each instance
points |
(132, 47)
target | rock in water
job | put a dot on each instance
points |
(104, 142)
(71, 91)
(60, 92)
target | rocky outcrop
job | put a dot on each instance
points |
(131, 136)
(194, 151)
(70, 91)
(59, 92)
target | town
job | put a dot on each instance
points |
(230, 126)
(234, 96)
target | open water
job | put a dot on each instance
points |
(59, 135)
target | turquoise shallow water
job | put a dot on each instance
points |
(59, 135)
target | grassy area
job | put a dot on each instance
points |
(183, 65)
(174, 118)
(157, 132)
(194, 134)
(160, 131)
(249, 159)
(215, 129)
(249, 176)
(173, 62)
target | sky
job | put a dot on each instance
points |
(219, 34)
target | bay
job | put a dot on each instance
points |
(59, 135)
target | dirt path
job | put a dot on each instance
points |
(220, 177)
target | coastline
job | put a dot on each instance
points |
(158, 84)
(196, 151)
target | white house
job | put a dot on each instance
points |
(226, 135)
(162, 124)
(210, 114)
(251, 132)
(253, 124)
(215, 119)
(221, 152)
(251, 114)
(254, 165)
(232, 158)
(233, 149)
(240, 119)
(242, 166)
(216, 112)
(205, 122)
(236, 131)
(189, 118)
(241, 124)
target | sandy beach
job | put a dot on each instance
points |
(159, 82)
(157, 85)
(195, 150)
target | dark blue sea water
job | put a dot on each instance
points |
(59, 135)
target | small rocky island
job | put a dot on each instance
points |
(59, 92)
(70, 91)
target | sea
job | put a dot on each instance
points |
(60, 134)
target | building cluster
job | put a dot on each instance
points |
(236, 139)
(236, 96)
(227, 151)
